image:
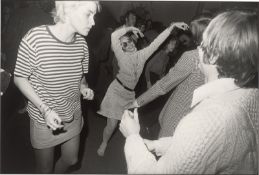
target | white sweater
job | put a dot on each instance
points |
(214, 138)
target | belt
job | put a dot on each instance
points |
(125, 87)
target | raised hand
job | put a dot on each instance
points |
(180, 25)
(136, 32)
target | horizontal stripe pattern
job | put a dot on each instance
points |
(54, 70)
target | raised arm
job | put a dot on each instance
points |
(115, 39)
(145, 53)
(175, 76)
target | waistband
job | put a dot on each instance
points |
(125, 87)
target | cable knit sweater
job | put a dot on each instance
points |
(215, 137)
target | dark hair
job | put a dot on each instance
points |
(167, 41)
(232, 38)
(126, 15)
(129, 36)
(140, 22)
(197, 27)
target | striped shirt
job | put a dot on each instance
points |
(54, 69)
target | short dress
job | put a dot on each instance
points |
(120, 93)
(54, 70)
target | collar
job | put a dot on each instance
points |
(213, 88)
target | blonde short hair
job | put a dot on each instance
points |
(62, 7)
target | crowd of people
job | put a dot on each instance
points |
(208, 125)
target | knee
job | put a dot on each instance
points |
(44, 170)
(111, 124)
(110, 128)
(70, 161)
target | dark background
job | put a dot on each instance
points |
(16, 152)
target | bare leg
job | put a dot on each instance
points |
(69, 155)
(107, 133)
(44, 160)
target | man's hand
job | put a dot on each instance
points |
(130, 123)
(88, 94)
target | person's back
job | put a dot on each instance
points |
(216, 136)
(223, 115)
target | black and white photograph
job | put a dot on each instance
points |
(129, 87)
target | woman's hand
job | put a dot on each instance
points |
(51, 117)
(136, 32)
(180, 25)
(53, 120)
(87, 93)
(131, 105)
(130, 123)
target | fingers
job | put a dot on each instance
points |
(53, 120)
(87, 93)
(141, 34)
(136, 115)
(137, 32)
(180, 25)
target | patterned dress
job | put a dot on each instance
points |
(185, 77)
(131, 66)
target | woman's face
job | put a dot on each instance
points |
(127, 44)
(171, 45)
(131, 20)
(185, 40)
(82, 18)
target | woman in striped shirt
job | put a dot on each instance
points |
(49, 71)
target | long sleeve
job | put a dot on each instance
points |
(175, 76)
(115, 42)
(194, 139)
(137, 154)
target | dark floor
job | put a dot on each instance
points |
(17, 155)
